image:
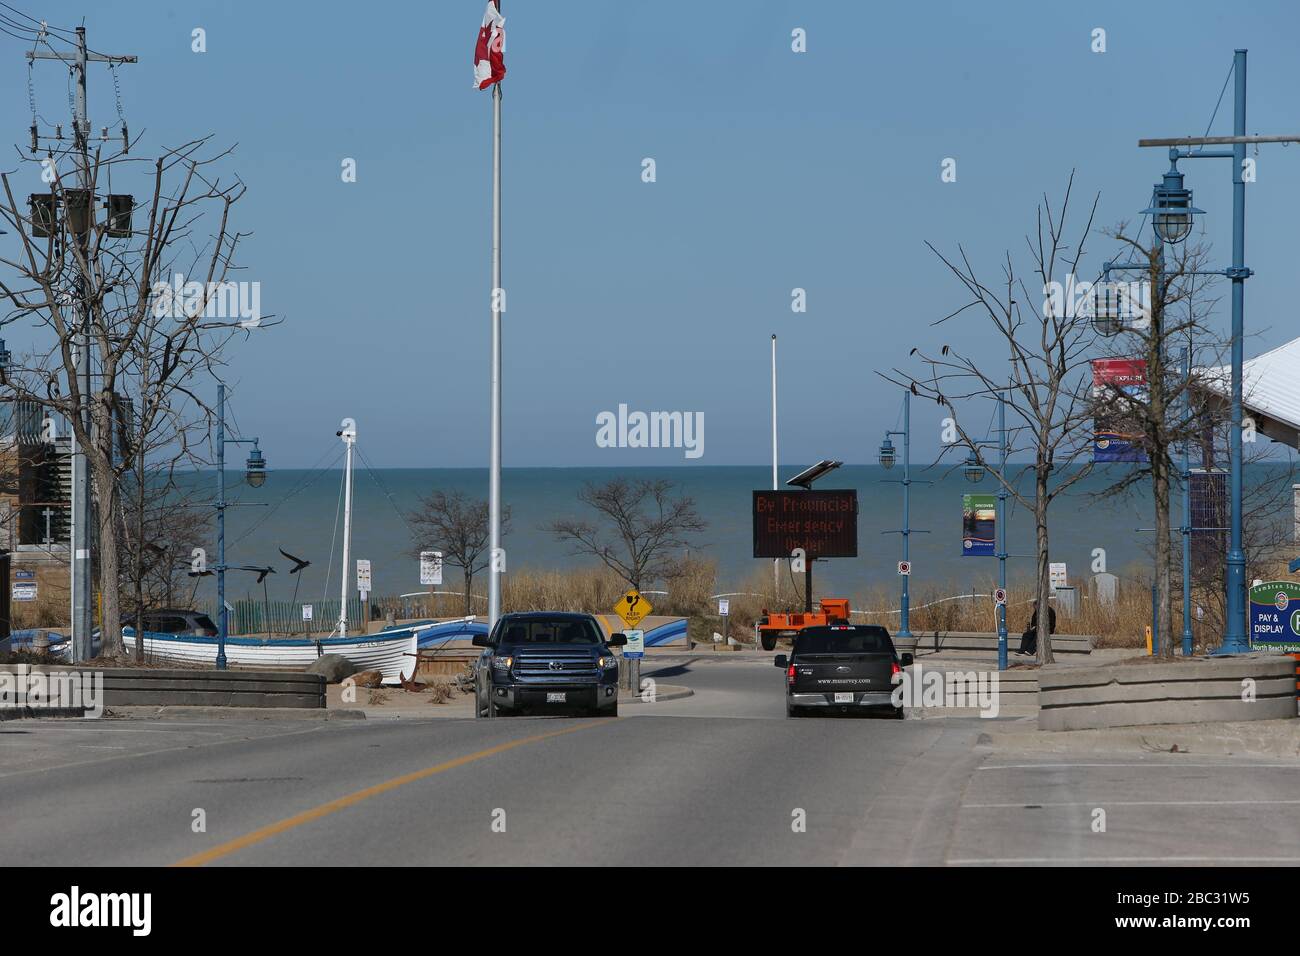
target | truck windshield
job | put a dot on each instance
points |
(557, 631)
(859, 640)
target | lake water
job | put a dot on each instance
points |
(304, 517)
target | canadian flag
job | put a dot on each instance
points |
(489, 52)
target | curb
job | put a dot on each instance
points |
(184, 712)
(27, 712)
(1259, 739)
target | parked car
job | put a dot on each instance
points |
(546, 660)
(842, 667)
(174, 621)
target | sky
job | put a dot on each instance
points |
(774, 170)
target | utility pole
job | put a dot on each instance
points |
(82, 537)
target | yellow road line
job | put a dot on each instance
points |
(342, 803)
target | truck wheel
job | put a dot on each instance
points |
(769, 642)
(792, 711)
(898, 713)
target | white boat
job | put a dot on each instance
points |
(393, 653)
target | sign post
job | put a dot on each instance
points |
(724, 611)
(306, 618)
(431, 573)
(632, 608)
(363, 590)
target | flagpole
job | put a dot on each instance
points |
(494, 477)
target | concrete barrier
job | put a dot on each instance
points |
(199, 688)
(1191, 691)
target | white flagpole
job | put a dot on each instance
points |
(494, 476)
(776, 564)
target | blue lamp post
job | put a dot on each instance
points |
(887, 457)
(973, 470)
(1172, 215)
(1234, 636)
(255, 475)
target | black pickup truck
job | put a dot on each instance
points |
(547, 660)
(841, 667)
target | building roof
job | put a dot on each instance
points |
(1270, 390)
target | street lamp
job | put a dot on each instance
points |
(886, 454)
(974, 470)
(255, 475)
(1171, 208)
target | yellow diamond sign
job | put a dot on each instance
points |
(632, 608)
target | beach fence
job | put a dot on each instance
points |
(254, 615)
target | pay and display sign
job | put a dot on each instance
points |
(1275, 616)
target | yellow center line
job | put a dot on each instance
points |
(352, 799)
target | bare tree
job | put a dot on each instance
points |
(1160, 414)
(646, 524)
(456, 525)
(98, 283)
(1046, 387)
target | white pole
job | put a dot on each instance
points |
(494, 467)
(776, 564)
(349, 436)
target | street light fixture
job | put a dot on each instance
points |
(973, 470)
(255, 474)
(1171, 208)
(887, 455)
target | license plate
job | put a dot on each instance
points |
(555, 698)
(843, 698)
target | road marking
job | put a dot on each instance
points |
(1125, 859)
(342, 803)
(1132, 803)
(1173, 764)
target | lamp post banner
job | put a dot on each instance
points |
(1275, 616)
(979, 525)
(1114, 438)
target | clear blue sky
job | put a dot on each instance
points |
(775, 170)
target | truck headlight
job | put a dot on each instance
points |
(608, 662)
(503, 662)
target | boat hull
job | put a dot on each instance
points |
(392, 654)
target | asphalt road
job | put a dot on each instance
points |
(718, 778)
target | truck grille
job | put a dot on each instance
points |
(555, 664)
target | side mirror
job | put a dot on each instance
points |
(906, 660)
(781, 661)
(481, 640)
(617, 640)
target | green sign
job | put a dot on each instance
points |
(1275, 616)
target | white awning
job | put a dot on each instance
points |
(1270, 391)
